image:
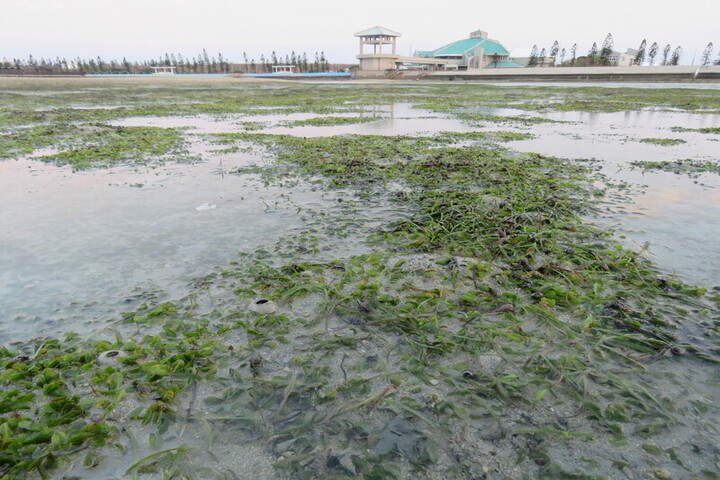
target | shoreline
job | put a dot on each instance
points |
(657, 74)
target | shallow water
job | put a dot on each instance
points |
(76, 249)
(79, 248)
(75, 243)
(397, 119)
(675, 214)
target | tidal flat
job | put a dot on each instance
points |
(230, 279)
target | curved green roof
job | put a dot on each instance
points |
(466, 47)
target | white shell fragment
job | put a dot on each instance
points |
(205, 206)
(263, 306)
(110, 357)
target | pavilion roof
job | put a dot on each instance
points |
(377, 30)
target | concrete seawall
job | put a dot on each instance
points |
(570, 74)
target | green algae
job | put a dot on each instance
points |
(665, 142)
(83, 101)
(329, 121)
(709, 130)
(685, 166)
(122, 145)
(526, 120)
(96, 145)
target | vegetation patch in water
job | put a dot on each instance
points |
(711, 130)
(474, 117)
(106, 146)
(329, 121)
(667, 142)
(96, 145)
(26, 141)
(688, 166)
(502, 136)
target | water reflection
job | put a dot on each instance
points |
(676, 214)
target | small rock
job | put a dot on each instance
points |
(110, 357)
(492, 432)
(662, 474)
(486, 364)
(263, 306)
(342, 462)
(256, 362)
(205, 206)
(503, 308)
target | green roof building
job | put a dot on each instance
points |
(475, 52)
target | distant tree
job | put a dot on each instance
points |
(573, 54)
(221, 63)
(324, 64)
(554, 52)
(304, 62)
(263, 63)
(562, 55)
(640, 55)
(543, 57)
(252, 65)
(707, 53)
(652, 53)
(675, 59)
(167, 61)
(606, 50)
(273, 58)
(666, 54)
(593, 54)
(717, 62)
(245, 61)
(316, 66)
(533, 60)
(293, 58)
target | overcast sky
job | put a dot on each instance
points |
(142, 29)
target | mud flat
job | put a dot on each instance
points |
(251, 280)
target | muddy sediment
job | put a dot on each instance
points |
(451, 294)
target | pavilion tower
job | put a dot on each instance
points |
(377, 61)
